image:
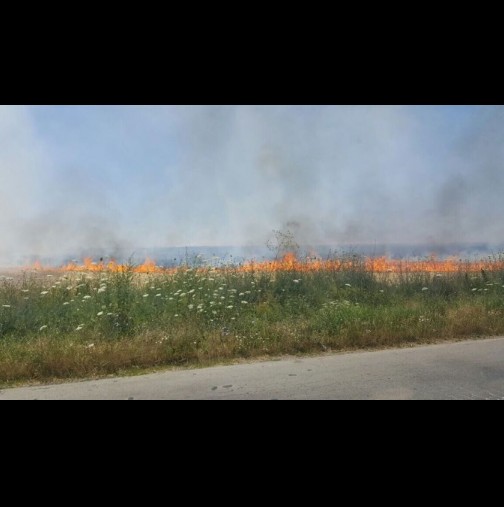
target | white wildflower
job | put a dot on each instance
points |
(425, 288)
(42, 328)
(229, 307)
(44, 292)
(99, 314)
(86, 297)
(6, 306)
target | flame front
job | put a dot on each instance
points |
(377, 265)
(310, 264)
(149, 266)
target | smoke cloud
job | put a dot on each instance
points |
(120, 178)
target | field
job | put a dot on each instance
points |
(89, 322)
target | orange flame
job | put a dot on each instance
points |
(312, 263)
(149, 266)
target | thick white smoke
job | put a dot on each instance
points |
(337, 175)
(330, 174)
(22, 167)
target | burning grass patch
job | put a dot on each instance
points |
(73, 324)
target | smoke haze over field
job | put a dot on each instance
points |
(122, 177)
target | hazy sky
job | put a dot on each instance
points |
(75, 177)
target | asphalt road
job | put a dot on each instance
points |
(463, 370)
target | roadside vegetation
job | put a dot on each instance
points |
(78, 324)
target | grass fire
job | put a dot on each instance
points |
(94, 318)
(290, 262)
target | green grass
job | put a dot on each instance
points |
(87, 325)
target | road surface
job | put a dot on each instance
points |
(462, 370)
